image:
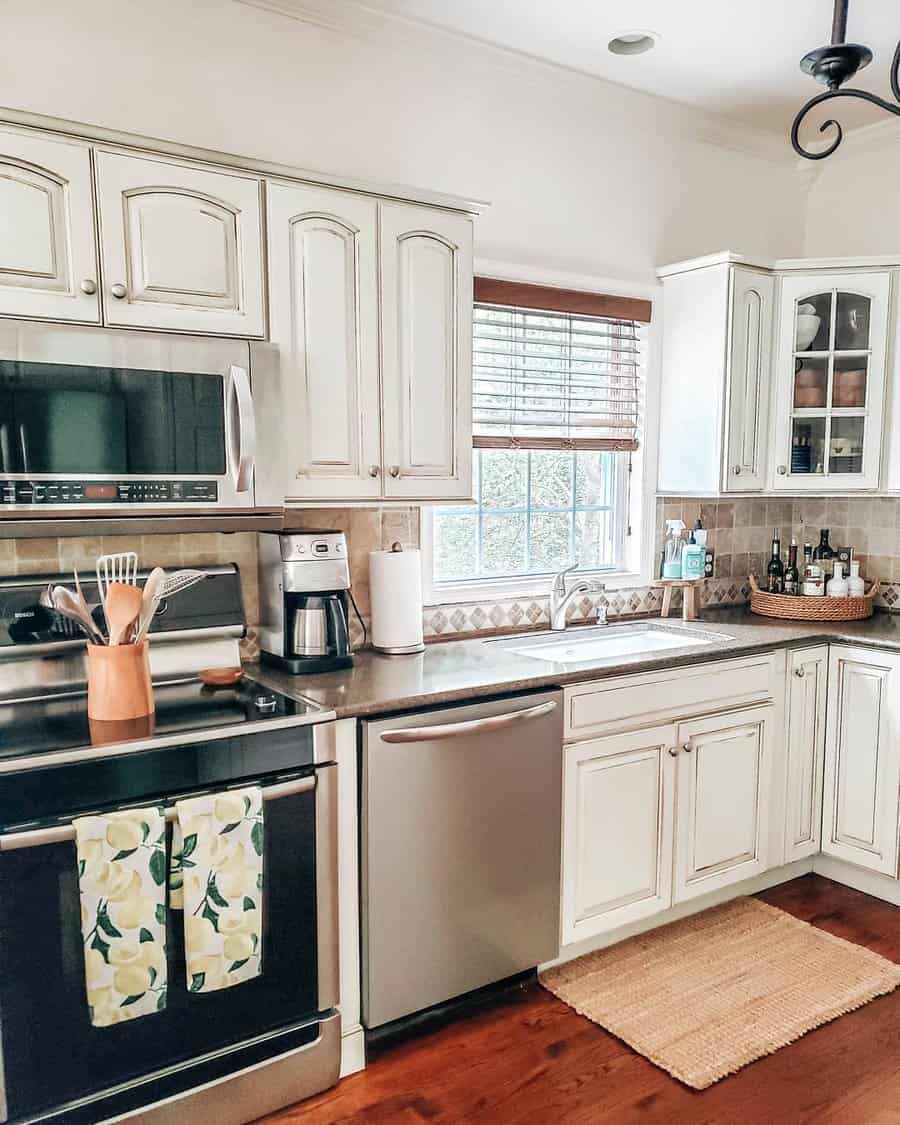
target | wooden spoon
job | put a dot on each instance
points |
(122, 608)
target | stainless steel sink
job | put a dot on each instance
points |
(597, 645)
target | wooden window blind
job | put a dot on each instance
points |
(550, 379)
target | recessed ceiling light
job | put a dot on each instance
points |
(632, 42)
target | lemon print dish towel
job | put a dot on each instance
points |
(122, 883)
(217, 879)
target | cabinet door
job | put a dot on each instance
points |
(724, 779)
(862, 759)
(749, 366)
(48, 256)
(617, 830)
(322, 401)
(181, 247)
(829, 380)
(426, 334)
(807, 679)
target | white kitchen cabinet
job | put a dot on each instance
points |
(426, 340)
(48, 254)
(829, 378)
(807, 674)
(181, 246)
(319, 401)
(724, 784)
(619, 796)
(862, 758)
(716, 359)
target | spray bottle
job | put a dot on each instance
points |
(674, 548)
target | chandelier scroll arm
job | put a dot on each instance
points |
(830, 95)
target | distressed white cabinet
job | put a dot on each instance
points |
(619, 795)
(716, 361)
(724, 783)
(830, 380)
(181, 246)
(862, 758)
(807, 674)
(426, 340)
(48, 255)
(319, 399)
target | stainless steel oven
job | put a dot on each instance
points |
(123, 422)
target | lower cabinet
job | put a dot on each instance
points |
(862, 758)
(807, 680)
(619, 796)
(663, 815)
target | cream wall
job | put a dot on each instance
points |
(583, 176)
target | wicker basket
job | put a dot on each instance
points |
(792, 608)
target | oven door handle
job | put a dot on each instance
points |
(240, 427)
(60, 833)
(469, 726)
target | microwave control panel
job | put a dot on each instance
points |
(58, 493)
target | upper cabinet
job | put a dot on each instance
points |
(426, 333)
(830, 364)
(48, 255)
(365, 390)
(716, 358)
(181, 247)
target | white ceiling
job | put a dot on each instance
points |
(735, 57)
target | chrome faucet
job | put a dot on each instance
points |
(560, 597)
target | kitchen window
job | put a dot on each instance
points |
(558, 391)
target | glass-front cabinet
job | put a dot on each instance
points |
(829, 381)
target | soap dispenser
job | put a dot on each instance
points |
(674, 549)
(693, 559)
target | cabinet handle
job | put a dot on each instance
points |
(395, 470)
(782, 469)
(118, 290)
(687, 748)
(673, 752)
(800, 672)
(374, 470)
(737, 470)
(89, 286)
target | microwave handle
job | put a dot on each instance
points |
(240, 425)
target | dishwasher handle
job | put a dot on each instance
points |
(469, 726)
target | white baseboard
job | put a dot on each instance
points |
(682, 910)
(871, 883)
(353, 1051)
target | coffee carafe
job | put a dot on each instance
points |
(304, 593)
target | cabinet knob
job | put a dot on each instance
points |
(673, 753)
(781, 470)
(687, 748)
(799, 673)
(89, 286)
(118, 290)
(737, 470)
(374, 470)
(395, 470)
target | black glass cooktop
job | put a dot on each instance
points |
(60, 723)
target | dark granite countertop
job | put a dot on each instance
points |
(452, 671)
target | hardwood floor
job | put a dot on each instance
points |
(531, 1060)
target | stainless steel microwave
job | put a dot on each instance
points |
(123, 421)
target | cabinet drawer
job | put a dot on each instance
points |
(675, 692)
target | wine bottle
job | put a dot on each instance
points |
(823, 554)
(813, 584)
(775, 569)
(791, 574)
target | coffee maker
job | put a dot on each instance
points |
(304, 592)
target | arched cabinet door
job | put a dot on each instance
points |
(181, 247)
(749, 360)
(48, 258)
(426, 334)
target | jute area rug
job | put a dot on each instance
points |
(709, 994)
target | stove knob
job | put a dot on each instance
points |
(266, 703)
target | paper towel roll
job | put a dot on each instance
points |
(395, 593)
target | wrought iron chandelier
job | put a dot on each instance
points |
(833, 66)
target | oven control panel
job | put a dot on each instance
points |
(58, 493)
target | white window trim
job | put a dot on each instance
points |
(640, 547)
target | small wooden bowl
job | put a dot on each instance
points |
(221, 677)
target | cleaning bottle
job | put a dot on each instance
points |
(693, 558)
(674, 549)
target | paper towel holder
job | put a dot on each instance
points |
(396, 548)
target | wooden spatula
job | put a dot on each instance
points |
(122, 608)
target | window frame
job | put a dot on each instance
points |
(640, 512)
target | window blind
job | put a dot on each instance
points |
(554, 380)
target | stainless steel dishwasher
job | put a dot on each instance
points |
(461, 811)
